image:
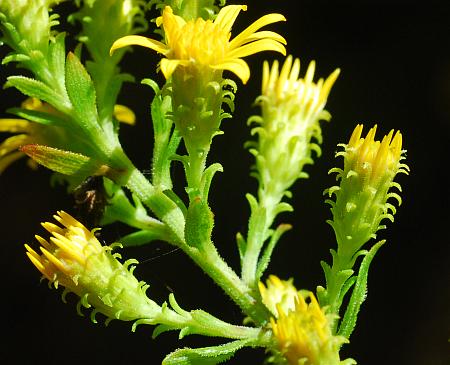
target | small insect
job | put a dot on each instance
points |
(91, 199)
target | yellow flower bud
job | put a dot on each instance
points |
(75, 259)
(370, 167)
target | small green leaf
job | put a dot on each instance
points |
(205, 355)
(38, 117)
(199, 223)
(139, 238)
(265, 258)
(359, 293)
(57, 60)
(64, 162)
(37, 89)
(207, 177)
(81, 91)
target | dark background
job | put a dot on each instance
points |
(395, 65)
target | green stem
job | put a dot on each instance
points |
(261, 219)
(203, 323)
(213, 265)
(207, 258)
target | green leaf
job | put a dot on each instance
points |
(265, 258)
(57, 60)
(207, 177)
(38, 89)
(64, 162)
(199, 223)
(359, 293)
(81, 91)
(139, 238)
(205, 355)
(38, 117)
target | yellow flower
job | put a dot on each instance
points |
(304, 335)
(299, 98)
(362, 196)
(278, 293)
(74, 258)
(288, 128)
(373, 160)
(206, 44)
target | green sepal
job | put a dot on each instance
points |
(359, 293)
(81, 91)
(265, 258)
(37, 89)
(199, 223)
(205, 355)
(38, 117)
(63, 162)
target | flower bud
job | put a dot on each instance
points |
(31, 20)
(75, 259)
(304, 336)
(291, 110)
(370, 167)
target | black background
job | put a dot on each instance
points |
(395, 65)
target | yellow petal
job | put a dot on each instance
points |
(261, 22)
(124, 114)
(237, 66)
(12, 143)
(14, 125)
(171, 23)
(258, 46)
(265, 34)
(137, 40)
(7, 160)
(169, 66)
(227, 16)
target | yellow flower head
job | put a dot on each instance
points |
(373, 160)
(74, 258)
(299, 98)
(206, 44)
(304, 336)
(288, 127)
(362, 196)
(278, 293)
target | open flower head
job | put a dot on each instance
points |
(205, 45)
(304, 335)
(74, 258)
(370, 167)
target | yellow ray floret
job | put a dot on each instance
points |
(67, 250)
(204, 43)
(374, 159)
